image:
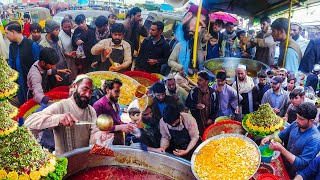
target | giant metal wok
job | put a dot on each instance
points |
(174, 167)
(230, 65)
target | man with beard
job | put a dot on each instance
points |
(102, 28)
(108, 104)
(23, 53)
(62, 117)
(181, 56)
(37, 79)
(134, 28)
(115, 52)
(227, 96)
(154, 51)
(302, 138)
(295, 32)
(84, 36)
(258, 91)
(66, 40)
(179, 132)
(52, 40)
(245, 86)
(266, 47)
(277, 97)
(229, 40)
(293, 56)
(203, 103)
(175, 91)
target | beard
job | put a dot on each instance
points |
(172, 90)
(295, 37)
(68, 32)
(276, 88)
(81, 103)
(54, 38)
(113, 99)
(116, 41)
(241, 78)
(186, 31)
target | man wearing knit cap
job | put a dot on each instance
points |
(52, 40)
(245, 86)
(160, 100)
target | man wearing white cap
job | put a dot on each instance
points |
(295, 32)
(245, 86)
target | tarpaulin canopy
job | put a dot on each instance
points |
(252, 8)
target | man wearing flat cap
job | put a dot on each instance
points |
(203, 103)
(245, 86)
(277, 97)
(52, 40)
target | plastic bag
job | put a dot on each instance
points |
(103, 148)
(80, 52)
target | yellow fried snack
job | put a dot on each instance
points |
(128, 88)
(227, 158)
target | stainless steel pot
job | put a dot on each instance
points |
(230, 65)
(175, 167)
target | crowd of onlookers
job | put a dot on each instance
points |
(180, 110)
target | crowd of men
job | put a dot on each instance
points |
(180, 110)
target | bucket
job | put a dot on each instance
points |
(266, 153)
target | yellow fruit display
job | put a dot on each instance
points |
(12, 175)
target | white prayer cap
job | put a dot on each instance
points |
(241, 66)
(316, 68)
(79, 77)
(283, 69)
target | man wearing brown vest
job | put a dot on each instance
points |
(293, 56)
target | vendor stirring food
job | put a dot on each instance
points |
(63, 115)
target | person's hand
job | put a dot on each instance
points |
(152, 61)
(58, 78)
(159, 150)
(50, 102)
(276, 110)
(265, 141)
(207, 37)
(237, 111)
(115, 68)
(200, 106)
(68, 119)
(285, 119)
(64, 71)
(107, 52)
(126, 128)
(276, 146)
(79, 42)
(94, 64)
(209, 122)
(180, 152)
(231, 42)
(245, 40)
(71, 54)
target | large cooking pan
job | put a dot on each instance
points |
(230, 65)
(177, 168)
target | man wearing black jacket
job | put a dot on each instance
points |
(154, 51)
(86, 36)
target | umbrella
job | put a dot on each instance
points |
(226, 17)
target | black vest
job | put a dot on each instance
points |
(26, 56)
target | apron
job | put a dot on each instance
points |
(116, 56)
(181, 140)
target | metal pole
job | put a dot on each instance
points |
(288, 35)
(196, 35)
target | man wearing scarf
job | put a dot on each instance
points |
(245, 86)
(182, 53)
